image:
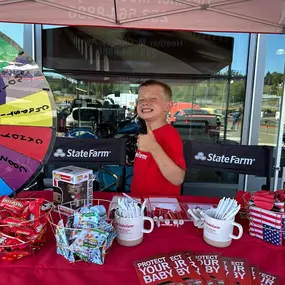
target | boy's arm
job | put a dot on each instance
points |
(169, 169)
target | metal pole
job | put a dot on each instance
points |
(280, 137)
(228, 90)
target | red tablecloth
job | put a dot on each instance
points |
(47, 268)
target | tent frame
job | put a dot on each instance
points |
(203, 5)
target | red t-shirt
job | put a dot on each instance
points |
(148, 179)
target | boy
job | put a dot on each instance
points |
(159, 166)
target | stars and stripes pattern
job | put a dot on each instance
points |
(267, 225)
(280, 206)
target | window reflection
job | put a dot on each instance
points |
(95, 73)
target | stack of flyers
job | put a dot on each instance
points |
(268, 279)
(255, 275)
(157, 270)
(229, 272)
(241, 270)
(188, 268)
(184, 269)
(200, 269)
(213, 265)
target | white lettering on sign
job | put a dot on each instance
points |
(267, 279)
(155, 270)
(179, 265)
(212, 157)
(82, 153)
(238, 268)
(210, 262)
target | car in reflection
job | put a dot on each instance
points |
(84, 117)
(196, 113)
(196, 123)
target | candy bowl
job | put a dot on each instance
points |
(85, 234)
(23, 226)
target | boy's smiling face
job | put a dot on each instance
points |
(153, 103)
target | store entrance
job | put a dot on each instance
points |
(205, 110)
(94, 74)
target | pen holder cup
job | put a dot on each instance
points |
(130, 230)
(219, 233)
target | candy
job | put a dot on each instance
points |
(87, 235)
(62, 243)
(86, 220)
(15, 255)
(22, 227)
(12, 204)
(88, 245)
(35, 208)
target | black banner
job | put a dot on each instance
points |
(243, 159)
(98, 151)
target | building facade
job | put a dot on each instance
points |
(221, 73)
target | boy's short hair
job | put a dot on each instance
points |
(164, 86)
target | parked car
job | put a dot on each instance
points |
(190, 112)
(83, 117)
(196, 123)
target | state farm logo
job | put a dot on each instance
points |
(233, 159)
(81, 153)
(59, 153)
(200, 156)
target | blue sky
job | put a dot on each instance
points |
(273, 62)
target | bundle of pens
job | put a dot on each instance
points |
(167, 218)
(127, 207)
(226, 210)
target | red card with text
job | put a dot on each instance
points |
(185, 270)
(157, 270)
(229, 272)
(255, 275)
(241, 269)
(199, 268)
(268, 279)
(213, 265)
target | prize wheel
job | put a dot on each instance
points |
(27, 118)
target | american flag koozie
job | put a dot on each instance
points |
(267, 225)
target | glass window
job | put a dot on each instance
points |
(95, 72)
(272, 92)
(14, 31)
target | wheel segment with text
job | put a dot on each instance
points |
(27, 122)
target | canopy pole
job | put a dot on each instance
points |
(8, 2)
(280, 137)
(116, 13)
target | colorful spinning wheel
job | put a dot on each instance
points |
(27, 118)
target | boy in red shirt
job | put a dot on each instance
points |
(159, 166)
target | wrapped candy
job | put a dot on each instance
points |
(62, 242)
(22, 227)
(87, 235)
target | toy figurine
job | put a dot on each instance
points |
(75, 191)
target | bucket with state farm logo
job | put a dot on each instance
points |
(219, 233)
(130, 231)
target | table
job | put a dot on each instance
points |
(48, 268)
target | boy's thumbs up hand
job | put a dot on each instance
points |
(147, 143)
